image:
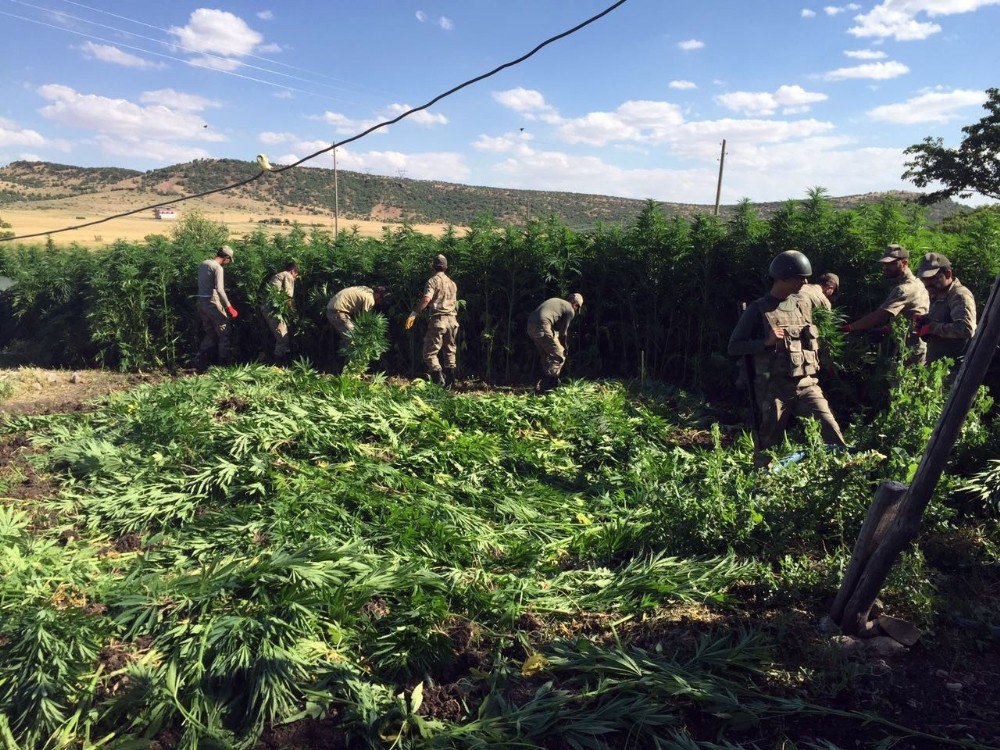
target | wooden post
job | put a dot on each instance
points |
(718, 189)
(336, 197)
(894, 518)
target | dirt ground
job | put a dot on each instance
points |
(32, 390)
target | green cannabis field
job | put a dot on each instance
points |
(279, 558)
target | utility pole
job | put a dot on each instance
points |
(718, 189)
(336, 197)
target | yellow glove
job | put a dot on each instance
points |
(410, 321)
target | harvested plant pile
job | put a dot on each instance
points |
(398, 566)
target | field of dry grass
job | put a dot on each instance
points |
(29, 218)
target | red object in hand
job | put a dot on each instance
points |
(232, 312)
(846, 328)
(924, 331)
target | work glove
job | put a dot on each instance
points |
(924, 331)
(846, 328)
(410, 321)
(232, 312)
(919, 320)
(884, 330)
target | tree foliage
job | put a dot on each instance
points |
(973, 167)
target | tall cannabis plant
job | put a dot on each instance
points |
(367, 342)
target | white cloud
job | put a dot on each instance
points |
(286, 94)
(683, 85)
(124, 128)
(515, 143)
(633, 120)
(806, 13)
(28, 156)
(269, 48)
(421, 16)
(344, 125)
(865, 54)
(446, 23)
(111, 54)
(899, 18)
(215, 63)
(691, 44)
(13, 135)
(794, 100)
(217, 32)
(269, 138)
(445, 166)
(933, 106)
(832, 10)
(178, 100)
(265, 15)
(527, 102)
(879, 71)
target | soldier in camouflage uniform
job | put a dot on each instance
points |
(214, 310)
(821, 293)
(951, 322)
(546, 326)
(778, 332)
(907, 297)
(348, 303)
(441, 299)
(278, 301)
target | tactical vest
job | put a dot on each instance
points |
(797, 355)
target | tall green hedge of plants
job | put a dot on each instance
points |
(661, 294)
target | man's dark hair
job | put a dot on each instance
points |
(291, 266)
(382, 292)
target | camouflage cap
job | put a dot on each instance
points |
(226, 251)
(576, 299)
(931, 264)
(895, 252)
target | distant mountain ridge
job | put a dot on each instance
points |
(362, 196)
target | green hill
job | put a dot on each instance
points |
(362, 196)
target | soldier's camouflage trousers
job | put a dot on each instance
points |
(278, 329)
(215, 323)
(341, 323)
(553, 354)
(441, 336)
(780, 398)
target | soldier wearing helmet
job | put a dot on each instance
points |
(440, 298)
(777, 331)
(548, 327)
(907, 297)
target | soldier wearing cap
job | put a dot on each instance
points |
(547, 324)
(348, 303)
(777, 330)
(214, 309)
(951, 321)
(278, 302)
(821, 293)
(440, 298)
(907, 297)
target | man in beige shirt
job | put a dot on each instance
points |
(440, 299)
(907, 297)
(214, 310)
(821, 293)
(950, 323)
(548, 327)
(348, 303)
(278, 303)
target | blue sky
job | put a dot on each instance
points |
(635, 105)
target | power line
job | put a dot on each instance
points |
(170, 57)
(179, 46)
(338, 144)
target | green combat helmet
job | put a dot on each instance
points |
(788, 264)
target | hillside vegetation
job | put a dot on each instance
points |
(362, 196)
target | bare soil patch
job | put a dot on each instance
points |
(37, 391)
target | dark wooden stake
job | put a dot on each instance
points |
(894, 518)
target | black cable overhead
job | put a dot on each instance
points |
(332, 146)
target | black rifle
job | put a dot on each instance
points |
(748, 375)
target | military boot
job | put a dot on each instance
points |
(547, 384)
(449, 378)
(436, 376)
